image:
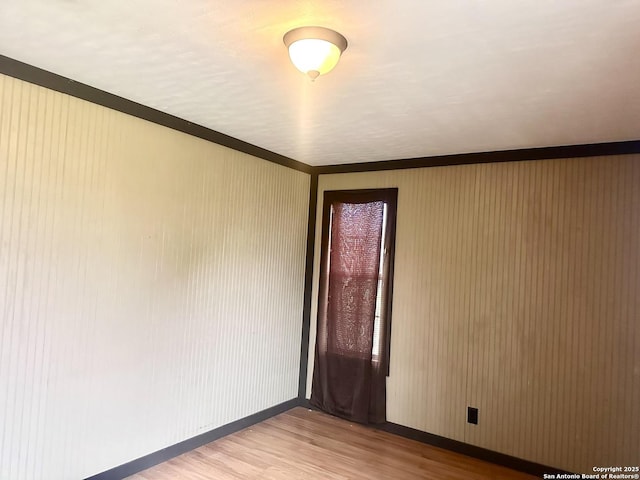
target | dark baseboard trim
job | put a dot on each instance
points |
(168, 453)
(165, 454)
(544, 153)
(52, 81)
(496, 458)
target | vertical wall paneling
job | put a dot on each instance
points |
(151, 285)
(516, 291)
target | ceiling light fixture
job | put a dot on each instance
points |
(314, 50)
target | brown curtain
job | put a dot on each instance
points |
(348, 380)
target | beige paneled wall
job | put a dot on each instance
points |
(517, 291)
(151, 285)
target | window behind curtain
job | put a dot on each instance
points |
(354, 304)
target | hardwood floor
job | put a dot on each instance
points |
(308, 445)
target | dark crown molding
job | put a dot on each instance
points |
(543, 153)
(52, 81)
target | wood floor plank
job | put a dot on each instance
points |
(310, 445)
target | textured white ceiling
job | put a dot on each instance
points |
(419, 78)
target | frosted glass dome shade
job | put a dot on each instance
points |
(314, 51)
(314, 54)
